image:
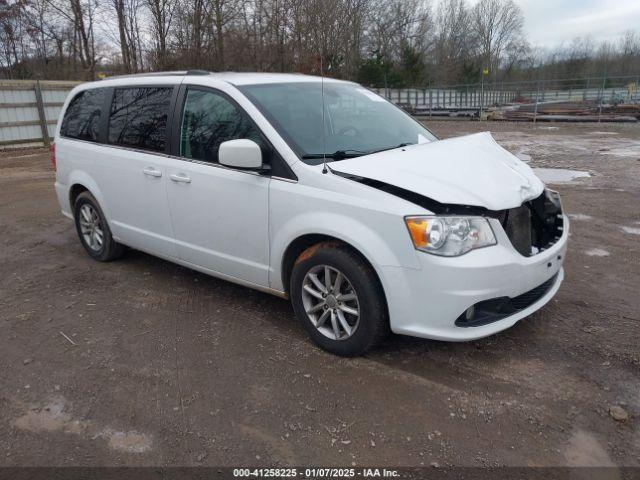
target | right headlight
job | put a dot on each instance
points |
(449, 236)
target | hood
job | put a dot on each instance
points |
(470, 170)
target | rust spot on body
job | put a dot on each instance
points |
(311, 251)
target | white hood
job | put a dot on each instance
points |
(470, 170)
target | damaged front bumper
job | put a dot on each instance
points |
(433, 301)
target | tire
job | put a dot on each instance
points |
(90, 221)
(358, 278)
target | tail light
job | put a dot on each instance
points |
(52, 149)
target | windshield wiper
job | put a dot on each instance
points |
(406, 144)
(337, 155)
(343, 154)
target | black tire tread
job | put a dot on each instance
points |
(378, 324)
(112, 250)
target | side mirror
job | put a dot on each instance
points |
(240, 153)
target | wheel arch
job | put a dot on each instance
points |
(382, 246)
(75, 190)
(303, 242)
(79, 182)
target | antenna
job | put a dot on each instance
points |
(324, 137)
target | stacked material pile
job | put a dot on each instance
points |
(569, 112)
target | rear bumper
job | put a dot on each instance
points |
(427, 302)
(62, 192)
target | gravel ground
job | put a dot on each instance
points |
(142, 362)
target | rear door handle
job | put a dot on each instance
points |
(182, 178)
(152, 172)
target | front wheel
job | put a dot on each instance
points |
(338, 298)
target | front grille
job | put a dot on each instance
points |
(535, 225)
(489, 311)
(518, 228)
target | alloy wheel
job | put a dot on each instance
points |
(331, 302)
(91, 227)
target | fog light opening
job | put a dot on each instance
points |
(470, 313)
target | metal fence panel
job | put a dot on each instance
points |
(593, 95)
(22, 119)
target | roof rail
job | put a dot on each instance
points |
(159, 74)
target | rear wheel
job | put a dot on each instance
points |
(93, 230)
(338, 298)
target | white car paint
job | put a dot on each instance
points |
(237, 225)
(221, 220)
(469, 170)
(241, 153)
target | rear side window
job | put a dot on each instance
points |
(82, 118)
(138, 117)
(208, 120)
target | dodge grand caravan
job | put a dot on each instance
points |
(315, 190)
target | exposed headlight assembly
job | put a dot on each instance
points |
(449, 236)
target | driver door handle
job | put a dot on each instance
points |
(181, 178)
(152, 172)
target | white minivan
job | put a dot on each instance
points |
(313, 189)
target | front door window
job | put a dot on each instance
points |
(208, 120)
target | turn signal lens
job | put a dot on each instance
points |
(418, 230)
(449, 236)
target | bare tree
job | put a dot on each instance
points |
(80, 14)
(127, 12)
(162, 12)
(83, 28)
(119, 6)
(453, 48)
(379, 42)
(224, 12)
(11, 33)
(496, 24)
(629, 50)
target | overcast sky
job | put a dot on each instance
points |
(551, 22)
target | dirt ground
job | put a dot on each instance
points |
(142, 362)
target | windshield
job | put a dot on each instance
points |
(356, 121)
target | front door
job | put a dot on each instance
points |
(219, 215)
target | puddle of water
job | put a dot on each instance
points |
(584, 450)
(524, 157)
(50, 418)
(132, 442)
(559, 175)
(623, 152)
(631, 230)
(581, 217)
(548, 144)
(597, 252)
(604, 133)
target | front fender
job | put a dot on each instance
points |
(392, 249)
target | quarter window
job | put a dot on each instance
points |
(82, 117)
(208, 120)
(138, 117)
